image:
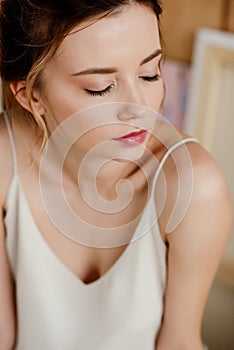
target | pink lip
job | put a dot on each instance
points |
(133, 139)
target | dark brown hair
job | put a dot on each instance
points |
(31, 32)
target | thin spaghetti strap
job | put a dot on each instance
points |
(166, 155)
(14, 157)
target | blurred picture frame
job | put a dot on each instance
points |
(210, 113)
(213, 57)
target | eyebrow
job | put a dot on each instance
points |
(111, 70)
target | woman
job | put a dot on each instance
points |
(81, 89)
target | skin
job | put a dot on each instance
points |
(62, 84)
(196, 245)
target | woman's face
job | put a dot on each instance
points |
(115, 59)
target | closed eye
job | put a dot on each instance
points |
(152, 79)
(109, 88)
(100, 92)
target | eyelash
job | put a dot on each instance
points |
(100, 93)
(152, 79)
(109, 88)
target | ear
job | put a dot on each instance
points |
(19, 90)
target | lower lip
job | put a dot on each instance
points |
(133, 140)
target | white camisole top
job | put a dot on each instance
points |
(57, 311)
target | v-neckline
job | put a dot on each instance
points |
(104, 277)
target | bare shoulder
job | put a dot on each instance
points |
(208, 177)
(26, 147)
(6, 161)
(195, 223)
(193, 159)
(195, 185)
(210, 188)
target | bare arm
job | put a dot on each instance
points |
(7, 313)
(195, 249)
(7, 317)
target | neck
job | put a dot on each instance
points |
(95, 174)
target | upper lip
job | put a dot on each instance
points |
(132, 134)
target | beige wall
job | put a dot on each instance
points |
(182, 18)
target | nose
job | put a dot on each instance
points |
(131, 111)
(133, 107)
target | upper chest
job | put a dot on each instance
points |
(90, 255)
(100, 237)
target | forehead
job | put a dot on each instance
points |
(132, 29)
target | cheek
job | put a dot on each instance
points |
(95, 138)
(61, 98)
(155, 96)
(63, 102)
